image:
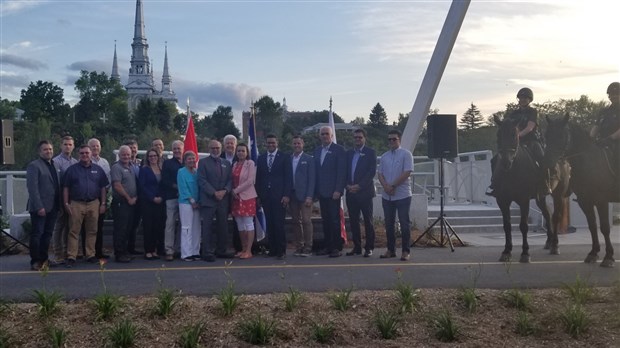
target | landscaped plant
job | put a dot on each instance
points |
(190, 335)
(4, 307)
(292, 299)
(518, 299)
(525, 327)
(257, 330)
(165, 302)
(408, 296)
(579, 291)
(57, 336)
(48, 302)
(322, 332)
(5, 338)
(575, 319)
(341, 300)
(387, 323)
(106, 304)
(468, 294)
(229, 300)
(446, 329)
(123, 334)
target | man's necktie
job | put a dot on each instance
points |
(270, 161)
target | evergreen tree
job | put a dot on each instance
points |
(472, 118)
(377, 117)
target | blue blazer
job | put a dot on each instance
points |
(305, 178)
(365, 171)
(149, 187)
(43, 191)
(277, 183)
(331, 176)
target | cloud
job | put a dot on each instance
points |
(16, 6)
(11, 84)
(91, 65)
(26, 63)
(206, 97)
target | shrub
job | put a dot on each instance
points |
(525, 327)
(257, 330)
(579, 292)
(190, 335)
(575, 319)
(446, 329)
(123, 334)
(47, 302)
(408, 297)
(57, 337)
(322, 332)
(229, 301)
(5, 338)
(518, 299)
(387, 323)
(342, 299)
(106, 305)
(166, 301)
(470, 299)
(292, 299)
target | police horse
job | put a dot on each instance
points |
(592, 179)
(520, 182)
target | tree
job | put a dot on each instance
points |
(358, 121)
(222, 121)
(44, 100)
(472, 118)
(268, 118)
(100, 95)
(163, 114)
(143, 114)
(377, 117)
(7, 109)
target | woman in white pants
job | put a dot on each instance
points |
(189, 213)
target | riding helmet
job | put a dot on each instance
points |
(526, 92)
(614, 88)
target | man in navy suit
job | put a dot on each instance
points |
(361, 169)
(273, 185)
(302, 195)
(43, 203)
(331, 177)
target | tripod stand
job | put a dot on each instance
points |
(443, 222)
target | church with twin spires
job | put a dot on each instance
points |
(140, 82)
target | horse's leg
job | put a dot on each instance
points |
(603, 213)
(588, 211)
(558, 209)
(524, 206)
(504, 206)
(544, 209)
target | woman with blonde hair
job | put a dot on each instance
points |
(244, 199)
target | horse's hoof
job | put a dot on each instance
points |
(591, 259)
(608, 263)
(547, 245)
(506, 257)
(524, 259)
(555, 250)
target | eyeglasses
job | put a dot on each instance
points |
(84, 153)
(392, 139)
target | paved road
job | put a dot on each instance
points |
(429, 268)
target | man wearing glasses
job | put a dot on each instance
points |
(84, 197)
(394, 171)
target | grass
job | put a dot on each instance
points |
(408, 296)
(341, 300)
(322, 332)
(57, 336)
(469, 298)
(257, 330)
(190, 335)
(518, 299)
(5, 307)
(165, 302)
(292, 299)
(446, 329)
(48, 302)
(123, 334)
(229, 301)
(5, 338)
(106, 305)
(575, 319)
(525, 326)
(579, 292)
(387, 323)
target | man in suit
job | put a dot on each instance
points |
(302, 193)
(331, 178)
(215, 184)
(273, 182)
(361, 169)
(43, 203)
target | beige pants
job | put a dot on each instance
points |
(87, 213)
(302, 223)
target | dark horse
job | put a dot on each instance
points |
(592, 179)
(520, 180)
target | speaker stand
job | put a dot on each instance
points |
(443, 222)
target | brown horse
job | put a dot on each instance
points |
(520, 179)
(591, 179)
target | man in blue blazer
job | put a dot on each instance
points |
(273, 185)
(361, 169)
(302, 196)
(44, 202)
(214, 184)
(331, 177)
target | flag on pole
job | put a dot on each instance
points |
(260, 223)
(190, 135)
(343, 230)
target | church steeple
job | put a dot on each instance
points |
(140, 81)
(115, 76)
(166, 79)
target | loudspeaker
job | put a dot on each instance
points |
(7, 155)
(442, 136)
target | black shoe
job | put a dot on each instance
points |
(70, 263)
(321, 252)
(35, 266)
(102, 256)
(354, 252)
(270, 254)
(136, 252)
(123, 259)
(368, 253)
(388, 254)
(225, 255)
(209, 258)
(335, 253)
(281, 257)
(92, 259)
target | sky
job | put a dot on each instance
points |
(358, 52)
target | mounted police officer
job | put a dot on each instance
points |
(526, 119)
(606, 132)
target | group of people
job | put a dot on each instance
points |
(68, 199)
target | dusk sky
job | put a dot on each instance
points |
(358, 52)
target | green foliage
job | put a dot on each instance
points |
(470, 299)
(575, 319)
(221, 122)
(525, 327)
(579, 291)
(341, 300)
(407, 295)
(48, 302)
(268, 119)
(518, 299)
(446, 329)
(472, 118)
(5, 307)
(292, 299)
(99, 95)
(377, 117)
(122, 334)
(57, 336)
(257, 330)
(107, 305)
(229, 301)
(190, 335)
(44, 100)
(165, 302)
(6, 340)
(387, 323)
(322, 332)
(7, 109)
